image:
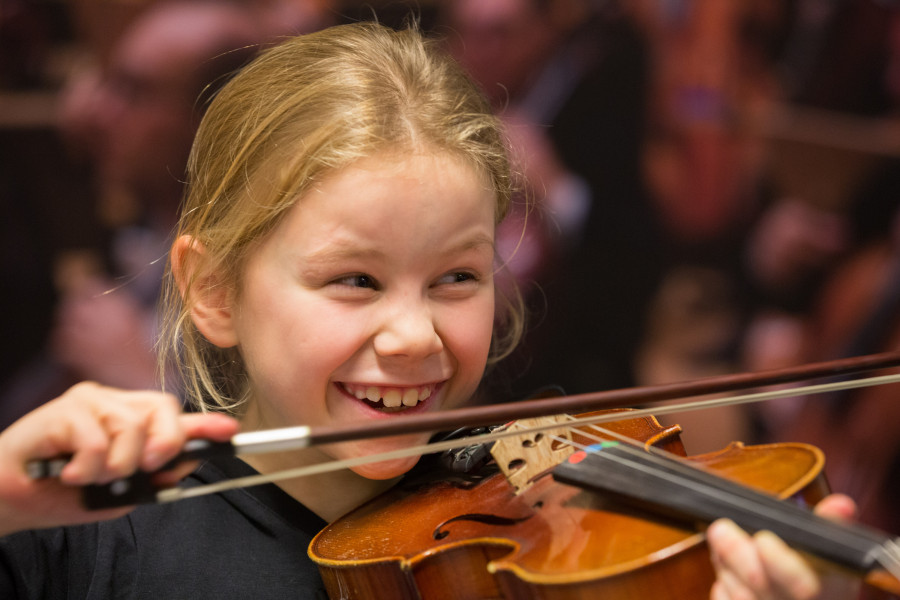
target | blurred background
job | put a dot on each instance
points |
(707, 187)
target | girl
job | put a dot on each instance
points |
(334, 263)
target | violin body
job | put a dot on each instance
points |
(442, 539)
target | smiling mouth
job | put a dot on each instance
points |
(387, 397)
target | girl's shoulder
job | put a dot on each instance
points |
(241, 543)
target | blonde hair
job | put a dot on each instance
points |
(303, 108)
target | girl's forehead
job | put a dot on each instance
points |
(394, 160)
(393, 171)
(438, 172)
(398, 194)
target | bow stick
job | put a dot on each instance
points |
(138, 488)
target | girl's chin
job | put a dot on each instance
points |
(389, 469)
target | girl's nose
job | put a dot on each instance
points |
(408, 331)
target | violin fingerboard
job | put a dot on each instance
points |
(670, 486)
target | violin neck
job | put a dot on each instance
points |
(675, 488)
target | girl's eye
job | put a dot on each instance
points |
(358, 281)
(458, 277)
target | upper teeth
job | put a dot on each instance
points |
(391, 397)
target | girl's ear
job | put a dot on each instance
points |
(204, 291)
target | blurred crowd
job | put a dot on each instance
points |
(707, 187)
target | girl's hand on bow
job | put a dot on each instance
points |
(763, 567)
(109, 434)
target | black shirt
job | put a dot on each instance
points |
(245, 543)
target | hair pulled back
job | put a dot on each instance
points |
(303, 108)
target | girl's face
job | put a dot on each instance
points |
(373, 299)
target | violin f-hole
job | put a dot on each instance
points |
(486, 519)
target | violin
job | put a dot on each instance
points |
(574, 531)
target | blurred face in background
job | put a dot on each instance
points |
(502, 43)
(143, 110)
(137, 119)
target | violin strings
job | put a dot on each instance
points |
(675, 464)
(888, 552)
(744, 497)
(681, 476)
(176, 493)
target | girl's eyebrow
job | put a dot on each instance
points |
(340, 252)
(473, 244)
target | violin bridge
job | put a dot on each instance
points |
(524, 457)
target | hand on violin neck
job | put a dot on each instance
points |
(763, 567)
